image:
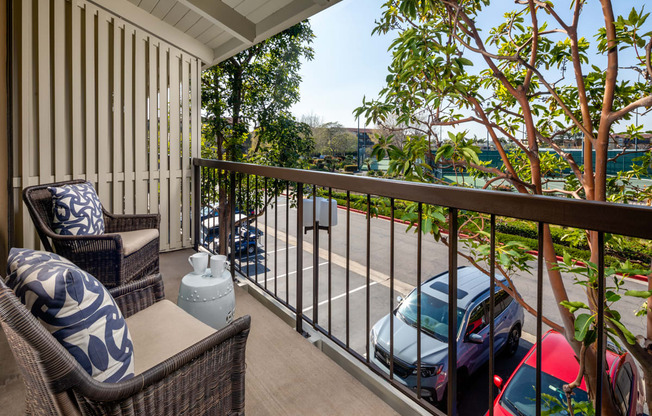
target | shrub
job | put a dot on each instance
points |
(350, 168)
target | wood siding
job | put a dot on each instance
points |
(101, 99)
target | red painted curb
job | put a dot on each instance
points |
(533, 252)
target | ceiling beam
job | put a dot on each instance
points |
(225, 17)
(227, 50)
(289, 15)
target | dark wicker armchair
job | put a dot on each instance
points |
(117, 257)
(205, 378)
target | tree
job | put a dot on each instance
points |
(283, 142)
(312, 119)
(519, 91)
(254, 89)
(334, 140)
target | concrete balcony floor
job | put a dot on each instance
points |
(286, 374)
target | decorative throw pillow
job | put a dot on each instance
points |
(77, 210)
(76, 309)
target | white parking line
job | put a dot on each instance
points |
(323, 302)
(281, 249)
(295, 272)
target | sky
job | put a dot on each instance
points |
(349, 63)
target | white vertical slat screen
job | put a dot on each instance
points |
(175, 123)
(164, 193)
(27, 117)
(104, 100)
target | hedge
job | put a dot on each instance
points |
(627, 249)
(517, 230)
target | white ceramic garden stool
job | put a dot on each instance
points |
(207, 298)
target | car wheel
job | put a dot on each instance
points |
(511, 346)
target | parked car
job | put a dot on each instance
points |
(247, 237)
(210, 211)
(472, 336)
(558, 367)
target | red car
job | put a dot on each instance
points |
(558, 367)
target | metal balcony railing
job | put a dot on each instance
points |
(254, 191)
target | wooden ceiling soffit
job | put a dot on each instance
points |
(140, 18)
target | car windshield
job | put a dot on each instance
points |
(520, 395)
(434, 315)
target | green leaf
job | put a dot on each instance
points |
(567, 258)
(612, 297)
(631, 339)
(590, 338)
(574, 306)
(639, 293)
(582, 324)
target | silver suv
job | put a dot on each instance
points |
(472, 337)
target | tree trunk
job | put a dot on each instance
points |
(608, 406)
(224, 210)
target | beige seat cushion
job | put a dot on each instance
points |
(161, 331)
(135, 240)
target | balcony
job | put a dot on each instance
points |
(130, 101)
(310, 286)
(286, 375)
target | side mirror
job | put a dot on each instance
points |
(498, 382)
(474, 338)
(399, 299)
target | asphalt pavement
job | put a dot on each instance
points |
(274, 267)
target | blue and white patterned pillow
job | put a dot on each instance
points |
(76, 309)
(77, 210)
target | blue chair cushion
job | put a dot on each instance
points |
(78, 311)
(77, 210)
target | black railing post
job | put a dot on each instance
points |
(315, 260)
(275, 237)
(492, 312)
(196, 204)
(299, 323)
(601, 333)
(287, 242)
(537, 374)
(391, 291)
(368, 279)
(452, 312)
(419, 245)
(348, 266)
(233, 205)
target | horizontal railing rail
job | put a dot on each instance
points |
(254, 191)
(630, 220)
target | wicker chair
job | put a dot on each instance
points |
(206, 378)
(105, 256)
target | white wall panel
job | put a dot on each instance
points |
(128, 137)
(164, 165)
(185, 147)
(152, 84)
(175, 139)
(103, 100)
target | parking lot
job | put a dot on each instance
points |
(275, 266)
